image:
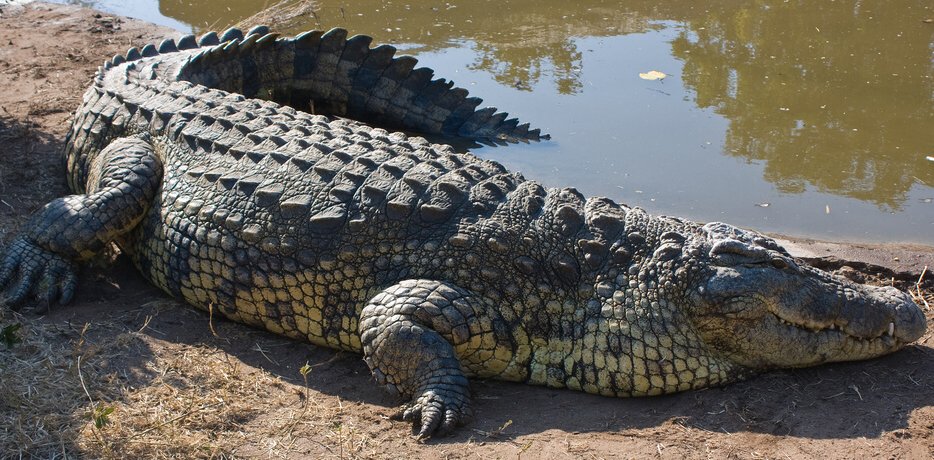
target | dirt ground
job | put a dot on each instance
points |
(125, 372)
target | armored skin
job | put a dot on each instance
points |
(203, 162)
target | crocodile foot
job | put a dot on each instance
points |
(409, 332)
(29, 271)
(437, 411)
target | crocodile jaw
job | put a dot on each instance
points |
(763, 318)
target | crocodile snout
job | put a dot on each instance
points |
(909, 323)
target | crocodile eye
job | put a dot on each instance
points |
(779, 263)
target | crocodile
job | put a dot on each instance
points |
(271, 180)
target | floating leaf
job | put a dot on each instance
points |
(652, 75)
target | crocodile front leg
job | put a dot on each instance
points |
(422, 338)
(40, 262)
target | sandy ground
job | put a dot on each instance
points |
(125, 372)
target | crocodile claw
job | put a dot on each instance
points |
(436, 413)
(28, 270)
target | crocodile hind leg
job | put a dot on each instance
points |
(422, 338)
(40, 261)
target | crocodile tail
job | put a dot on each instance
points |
(348, 78)
(332, 74)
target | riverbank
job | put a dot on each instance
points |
(127, 372)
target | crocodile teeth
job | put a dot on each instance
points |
(891, 328)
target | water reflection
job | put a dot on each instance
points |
(836, 95)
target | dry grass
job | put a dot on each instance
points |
(40, 392)
(918, 295)
(102, 391)
(924, 298)
(193, 406)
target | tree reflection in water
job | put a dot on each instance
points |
(830, 94)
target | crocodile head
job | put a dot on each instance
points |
(758, 308)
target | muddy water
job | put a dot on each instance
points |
(801, 117)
